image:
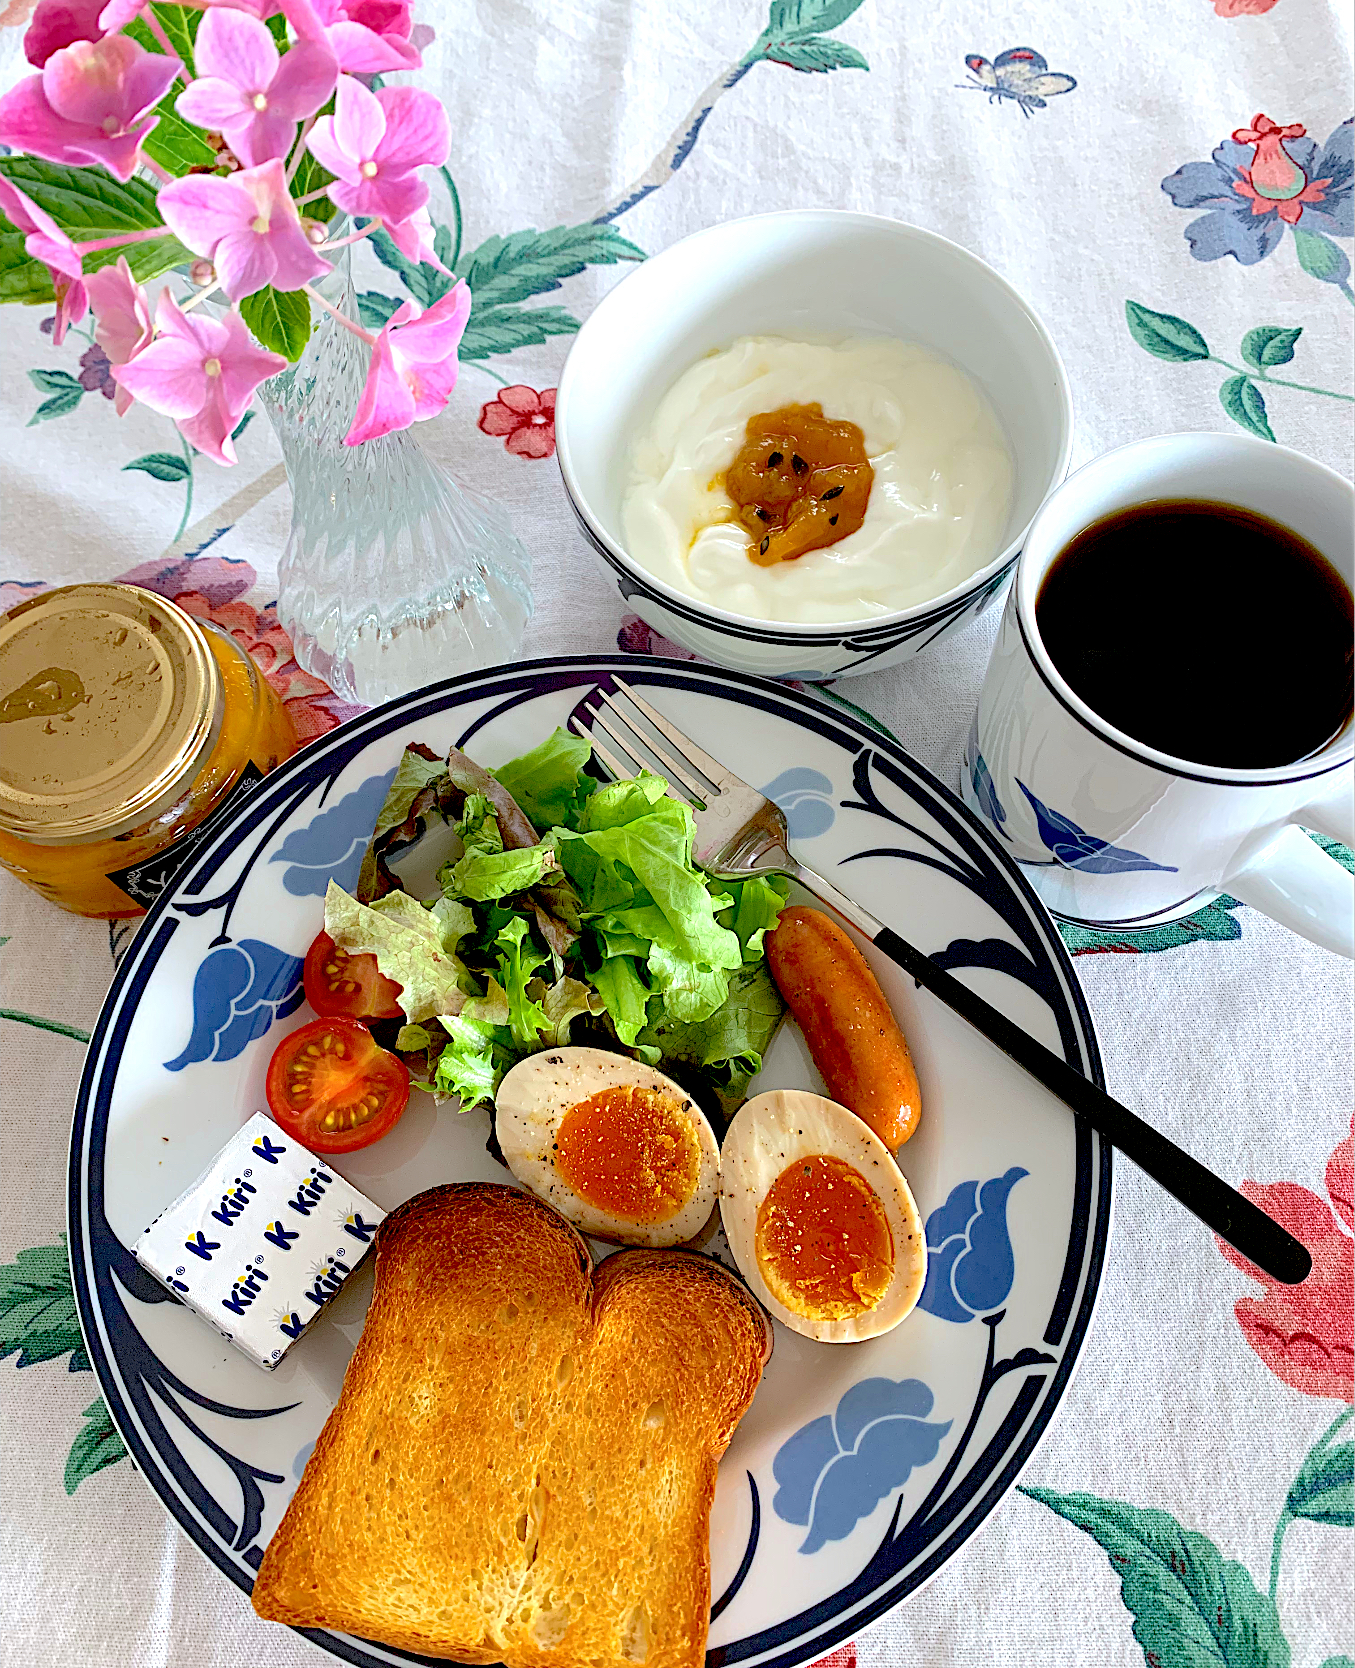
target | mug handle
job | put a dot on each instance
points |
(1290, 878)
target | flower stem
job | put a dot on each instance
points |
(120, 238)
(353, 237)
(44, 1024)
(162, 174)
(311, 196)
(300, 149)
(342, 317)
(1280, 381)
(193, 300)
(479, 365)
(188, 493)
(152, 22)
(1276, 1544)
(456, 210)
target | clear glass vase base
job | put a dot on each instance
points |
(394, 575)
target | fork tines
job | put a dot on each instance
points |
(650, 744)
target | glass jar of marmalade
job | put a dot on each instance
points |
(124, 725)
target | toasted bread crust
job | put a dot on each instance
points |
(521, 1464)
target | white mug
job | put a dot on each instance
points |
(1109, 831)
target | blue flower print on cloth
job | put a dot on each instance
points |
(806, 797)
(835, 1470)
(331, 846)
(970, 1267)
(239, 990)
(1076, 849)
(1264, 178)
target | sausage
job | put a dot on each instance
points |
(849, 1026)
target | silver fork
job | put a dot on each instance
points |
(740, 832)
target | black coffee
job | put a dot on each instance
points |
(1203, 630)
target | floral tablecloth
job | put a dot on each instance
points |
(1118, 164)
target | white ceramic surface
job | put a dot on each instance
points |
(859, 1469)
(803, 272)
(1110, 831)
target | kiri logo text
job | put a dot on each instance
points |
(201, 1246)
(311, 1191)
(277, 1233)
(233, 1202)
(292, 1325)
(325, 1281)
(268, 1149)
(244, 1291)
(359, 1229)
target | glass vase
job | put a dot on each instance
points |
(394, 573)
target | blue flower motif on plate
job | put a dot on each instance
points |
(835, 1470)
(1076, 849)
(970, 1267)
(806, 797)
(238, 991)
(331, 845)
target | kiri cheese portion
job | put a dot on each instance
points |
(261, 1241)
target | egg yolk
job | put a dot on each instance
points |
(629, 1151)
(822, 1240)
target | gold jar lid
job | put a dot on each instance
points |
(109, 700)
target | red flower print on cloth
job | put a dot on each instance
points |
(212, 588)
(1242, 8)
(523, 419)
(843, 1657)
(1304, 1333)
(1275, 180)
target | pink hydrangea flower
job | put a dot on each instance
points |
(201, 372)
(122, 320)
(247, 92)
(414, 238)
(46, 242)
(414, 367)
(369, 37)
(92, 103)
(247, 225)
(58, 23)
(373, 143)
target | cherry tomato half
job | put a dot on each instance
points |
(339, 984)
(333, 1089)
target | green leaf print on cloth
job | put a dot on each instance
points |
(1175, 340)
(97, 1446)
(38, 1320)
(37, 1309)
(1191, 1608)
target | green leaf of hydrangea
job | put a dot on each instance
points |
(1270, 344)
(98, 1445)
(1191, 1609)
(280, 320)
(1164, 335)
(37, 1309)
(1242, 400)
(87, 203)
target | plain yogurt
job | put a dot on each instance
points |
(938, 508)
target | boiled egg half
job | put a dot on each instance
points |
(618, 1148)
(819, 1218)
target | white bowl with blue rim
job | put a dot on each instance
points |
(804, 272)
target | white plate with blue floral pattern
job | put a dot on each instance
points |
(858, 1470)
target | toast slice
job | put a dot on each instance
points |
(522, 1460)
